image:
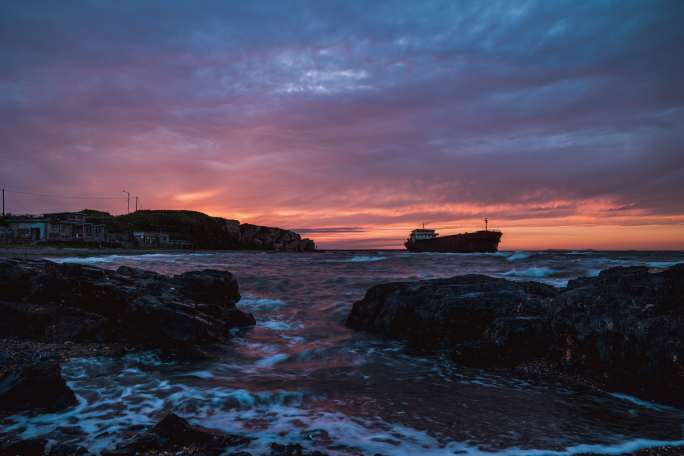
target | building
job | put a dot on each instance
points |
(179, 244)
(159, 239)
(152, 238)
(57, 227)
(27, 228)
(6, 235)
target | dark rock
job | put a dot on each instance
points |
(68, 450)
(38, 386)
(209, 286)
(625, 326)
(51, 302)
(293, 449)
(175, 434)
(507, 342)
(29, 447)
(623, 329)
(268, 238)
(39, 447)
(444, 312)
(286, 450)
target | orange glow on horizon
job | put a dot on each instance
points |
(598, 237)
(582, 230)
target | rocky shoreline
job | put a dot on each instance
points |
(57, 312)
(594, 333)
(622, 331)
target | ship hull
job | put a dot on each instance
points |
(479, 241)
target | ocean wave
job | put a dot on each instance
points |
(259, 304)
(663, 264)
(362, 259)
(276, 325)
(272, 360)
(629, 446)
(173, 257)
(536, 272)
(85, 260)
(644, 404)
(294, 346)
(515, 256)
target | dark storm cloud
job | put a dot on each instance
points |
(354, 108)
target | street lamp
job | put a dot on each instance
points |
(128, 201)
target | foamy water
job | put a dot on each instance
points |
(300, 376)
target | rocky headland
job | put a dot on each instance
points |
(622, 331)
(202, 231)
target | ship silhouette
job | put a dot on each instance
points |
(428, 240)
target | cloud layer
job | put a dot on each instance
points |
(370, 116)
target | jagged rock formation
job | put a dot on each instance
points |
(440, 313)
(623, 329)
(202, 230)
(248, 236)
(45, 301)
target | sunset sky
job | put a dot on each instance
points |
(354, 122)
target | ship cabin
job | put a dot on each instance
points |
(422, 234)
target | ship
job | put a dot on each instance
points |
(428, 240)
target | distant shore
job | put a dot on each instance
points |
(42, 251)
(45, 251)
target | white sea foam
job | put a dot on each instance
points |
(173, 257)
(85, 260)
(275, 325)
(272, 360)
(533, 272)
(253, 303)
(514, 256)
(662, 264)
(645, 404)
(363, 259)
(289, 421)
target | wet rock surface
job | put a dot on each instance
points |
(444, 312)
(59, 303)
(174, 434)
(37, 387)
(624, 328)
(39, 447)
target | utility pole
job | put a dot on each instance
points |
(136, 204)
(128, 201)
(3, 202)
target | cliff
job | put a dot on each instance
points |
(204, 231)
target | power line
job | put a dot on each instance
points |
(45, 195)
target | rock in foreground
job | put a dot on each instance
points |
(175, 435)
(38, 387)
(624, 328)
(444, 312)
(50, 302)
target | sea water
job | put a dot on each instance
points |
(300, 376)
